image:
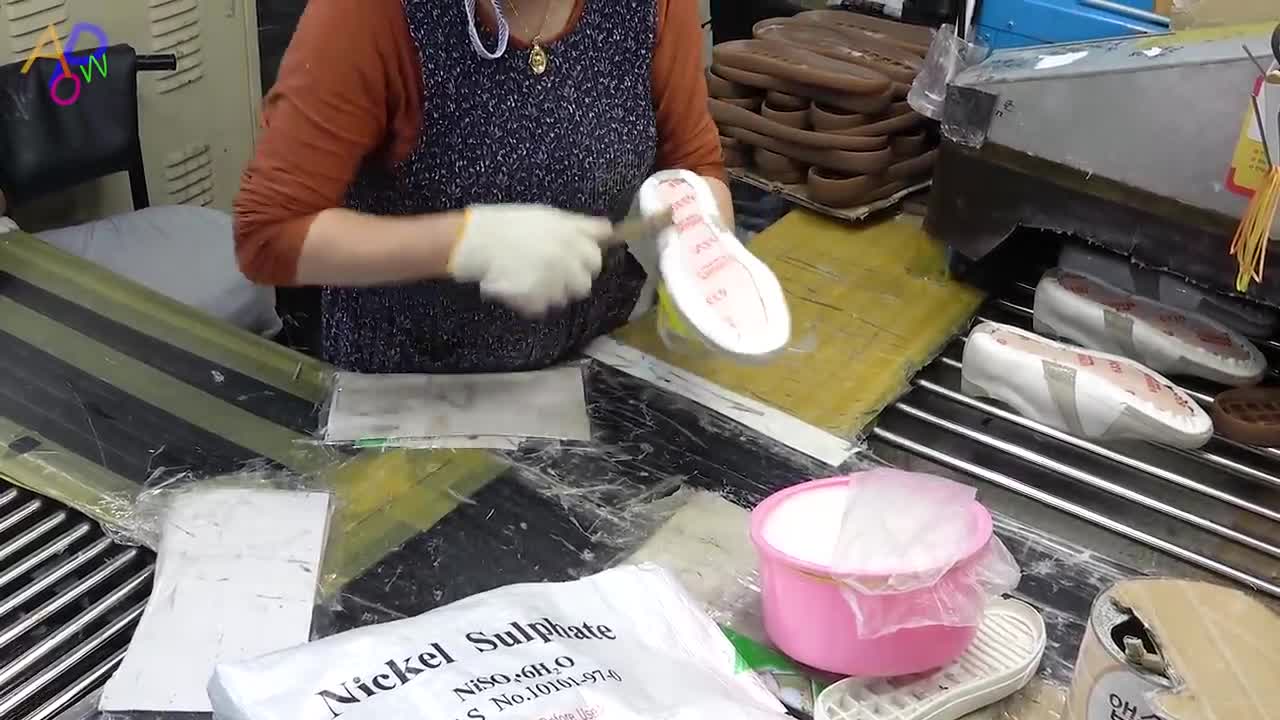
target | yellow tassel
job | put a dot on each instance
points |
(1249, 246)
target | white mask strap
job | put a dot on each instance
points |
(504, 31)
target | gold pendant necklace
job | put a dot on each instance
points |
(537, 57)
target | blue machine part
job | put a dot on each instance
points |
(1020, 23)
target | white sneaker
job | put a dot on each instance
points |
(721, 293)
(1246, 318)
(1082, 392)
(1165, 339)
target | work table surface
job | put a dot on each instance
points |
(109, 388)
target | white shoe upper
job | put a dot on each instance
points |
(1246, 318)
(1166, 339)
(1082, 392)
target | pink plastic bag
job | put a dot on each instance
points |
(917, 550)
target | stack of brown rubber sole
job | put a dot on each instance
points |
(819, 100)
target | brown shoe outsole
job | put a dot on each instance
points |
(1249, 415)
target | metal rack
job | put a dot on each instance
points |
(69, 600)
(1217, 508)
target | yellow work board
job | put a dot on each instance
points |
(871, 304)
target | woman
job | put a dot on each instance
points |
(448, 171)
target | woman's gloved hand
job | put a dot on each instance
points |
(530, 257)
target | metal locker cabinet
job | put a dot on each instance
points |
(198, 123)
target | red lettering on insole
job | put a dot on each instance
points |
(1167, 321)
(1211, 337)
(723, 281)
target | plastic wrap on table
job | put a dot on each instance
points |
(389, 496)
(551, 510)
(611, 504)
(917, 550)
(948, 55)
(144, 520)
(383, 498)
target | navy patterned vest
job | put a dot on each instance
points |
(580, 137)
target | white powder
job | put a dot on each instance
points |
(891, 531)
(895, 532)
(806, 525)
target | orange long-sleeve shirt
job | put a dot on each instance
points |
(350, 91)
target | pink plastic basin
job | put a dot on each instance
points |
(809, 619)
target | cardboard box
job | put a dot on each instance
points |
(1165, 649)
(798, 195)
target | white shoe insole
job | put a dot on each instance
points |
(1166, 339)
(1002, 659)
(731, 299)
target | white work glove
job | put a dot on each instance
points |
(530, 257)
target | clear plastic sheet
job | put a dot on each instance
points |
(948, 55)
(142, 521)
(916, 550)
(382, 497)
(387, 497)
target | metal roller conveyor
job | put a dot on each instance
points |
(1099, 519)
(69, 601)
(1105, 452)
(1217, 508)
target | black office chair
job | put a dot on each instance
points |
(46, 147)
